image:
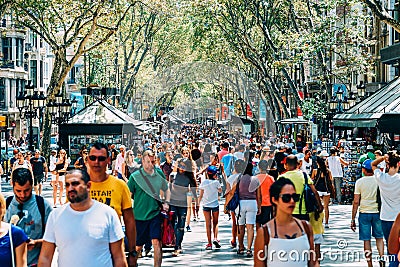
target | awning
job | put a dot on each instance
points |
(101, 112)
(383, 106)
(293, 121)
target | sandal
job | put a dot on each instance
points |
(240, 251)
(249, 253)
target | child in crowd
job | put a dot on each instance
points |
(318, 230)
(209, 189)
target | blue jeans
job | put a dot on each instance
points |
(386, 227)
(179, 224)
(338, 188)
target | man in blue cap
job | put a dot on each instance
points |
(365, 198)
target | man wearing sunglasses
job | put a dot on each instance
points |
(112, 191)
(29, 209)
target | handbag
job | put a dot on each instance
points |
(232, 198)
(309, 197)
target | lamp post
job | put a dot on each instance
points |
(60, 110)
(361, 90)
(29, 102)
(339, 102)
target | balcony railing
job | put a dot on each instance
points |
(7, 64)
(390, 54)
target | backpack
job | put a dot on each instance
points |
(39, 203)
(310, 199)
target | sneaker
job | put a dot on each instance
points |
(176, 253)
(188, 229)
(194, 219)
(233, 244)
(216, 243)
(326, 226)
(147, 253)
(209, 247)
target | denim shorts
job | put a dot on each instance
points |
(211, 209)
(366, 221)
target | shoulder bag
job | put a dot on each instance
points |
(152, 191)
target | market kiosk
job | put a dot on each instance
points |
(98, 122)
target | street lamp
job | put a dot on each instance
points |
(60, 110)
(28, 104)
(339, 102)
(361, 89)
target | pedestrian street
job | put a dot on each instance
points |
(341, 246)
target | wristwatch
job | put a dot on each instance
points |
(133, 253)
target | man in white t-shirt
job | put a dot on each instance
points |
(389, 186)
(335, 166)
(86, 232)
(365, 198)
(306, 162)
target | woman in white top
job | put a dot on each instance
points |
(209, 190)
(284, 233)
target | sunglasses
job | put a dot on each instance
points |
(20, 212)
(286, 197)
(74, 183)
(100, 158)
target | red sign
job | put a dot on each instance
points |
(249, 112)
(299, 112)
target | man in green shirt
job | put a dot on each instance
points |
(146, 185)
(297, 177)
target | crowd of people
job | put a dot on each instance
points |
(185, 175)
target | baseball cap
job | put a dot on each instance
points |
(212, 170)
(324, 153)
(299, 156)
(367, 164)
(370, 147)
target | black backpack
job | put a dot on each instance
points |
(40, 204)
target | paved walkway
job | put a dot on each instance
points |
(341, 246)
